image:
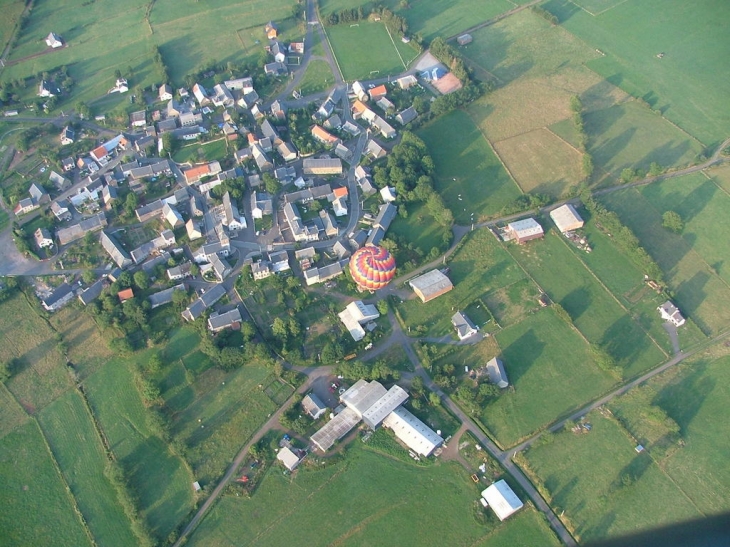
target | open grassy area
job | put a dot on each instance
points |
(366, 51)
(75, 444)
(552, 372)
(392, 499)
(699, 292)
(686, 84)
(12, 9)
(600, 318)
(317, 78)
(601, 486)
(202, 152)
(419, 229)
(467, 167)
(37, 507)
(161, 480)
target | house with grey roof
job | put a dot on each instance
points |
(219, 321)
(164, 297)
(120, 257)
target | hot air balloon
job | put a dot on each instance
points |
(372, 267)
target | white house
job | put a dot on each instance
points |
(670, 313)
(54, 40)
(354, 315)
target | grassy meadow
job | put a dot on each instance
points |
(317, 78)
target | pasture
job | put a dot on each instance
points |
(317, 78)
(419, 229)
(12, 10)
(365, 51)
(700, 293)
(393, 497)
(202, 152)
(37, 507)
(467, 168)
(76, 446)
(686, 84)
(593, 309)
(602, 485)
(552, 372)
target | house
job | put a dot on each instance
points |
(165, 239)
(92, 292)
(385, 105)
(325, 273)
(172, 216)
(388, 194)
(67, 136)
(566, 218)
(68, 164)
(296, 48)
(278, 110)
(342, 152)
(525, 230)
(374, 150)
(447, 84)
(77, 231)
(378, 91)
(360, 92)
(244, 85)
(43, 238)
(502, 499)
(340, 250)
(58, 298)
(412, 432)
(222, 96)
(188, 119)
(165, 92)
(180, 272)
(120, 86)
(262, 160)
(297, 227)
(230, 319)
(323, 136)
(221, 268)
(164, 297)
(54, 40)
(496, 373)
(279, 261)
(288, 458)
(386, 215)
(670, 313)
(278, 50)
(351, 128)
(360, 110)
(463, 325)
(287, 151)
(272, 30)
(406, 81)
(209, 297)
(200, 94)
(233, 219)
(138, 119)
(108, 194)
(125, 295)
(116, 251)
(464, 39)
(431, 285)
(194, 174)
(193, 229)
(87, 164)
(313, 406)
(326, 109)
(60, 210)
(25, 206)
(261, 204)
(45, 89)
(39, 194)
(328, 223)
(354, 315)
(333, 122)
(384, 127)
(407, 116)
(261, 269)
(100, 154)
(322, 166)
(275, 69)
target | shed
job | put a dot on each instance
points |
(566, 218)
(525, 230)
(496, 373)
(431, 285)
(288, 458)
(464, 39)
(502, 499)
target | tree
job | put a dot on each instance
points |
(155, 363)
(170, 143)
(271, 184)
(88, 277)
(141, 279)
(672, 222)
(434, 399)
(382, 306)
(279, 329)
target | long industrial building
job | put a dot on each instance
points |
(413, 432)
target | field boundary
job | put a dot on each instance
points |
(395, 47)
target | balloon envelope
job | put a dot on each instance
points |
(372, 267)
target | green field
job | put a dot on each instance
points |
(419, 229)
(466, 166)
(552, 372)
(75, 444)
(37, 507)
(12, 10)
(160, 479)
(602, 487)
(205, 152)
(317, 78)
(393, 499)
(700, 293)
(687, 84)
(366, 51)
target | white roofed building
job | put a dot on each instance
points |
(496, 373)
(670, 313)
(431, 285)
(566, 218)
(525, 230)
(354, 315)
(379, 410)
(412, 432)
(502, 499)
(288, 458)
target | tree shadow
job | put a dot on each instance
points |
(521, 354)
(577, 302)
(691, 295)
(683, 400)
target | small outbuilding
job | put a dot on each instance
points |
(464, 39)
(566, 218)
(502, 499)
(496, 373)
(288, 458)
(431, 285)
(525, 230)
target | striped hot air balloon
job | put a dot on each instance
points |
(372, 267)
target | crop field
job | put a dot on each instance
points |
(188, 34)
(160, 479)
(414, 494)
(686, 83)
(603, 486)
(37, 507)
(467, 167)
(479, 267)
(541, 162)
(699, 292)
(41, 376)
(77, 448)
(631, 135)
(552, 372)
(317, 78)
(366, 51)
(595, 312)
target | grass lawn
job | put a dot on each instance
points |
(419, 229)
(37, 507)
(593, 309)
(687, 84)
(602, 485)
(366, 51)
(448, 17)
(160, 480)
(41, 376)
(412, 494)
(549, 365)
(542, 162)
(12, 10)
(480, 266)
(466, 166)
(75, 444)
(317, 78)
(699, 292)
(202, 152)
